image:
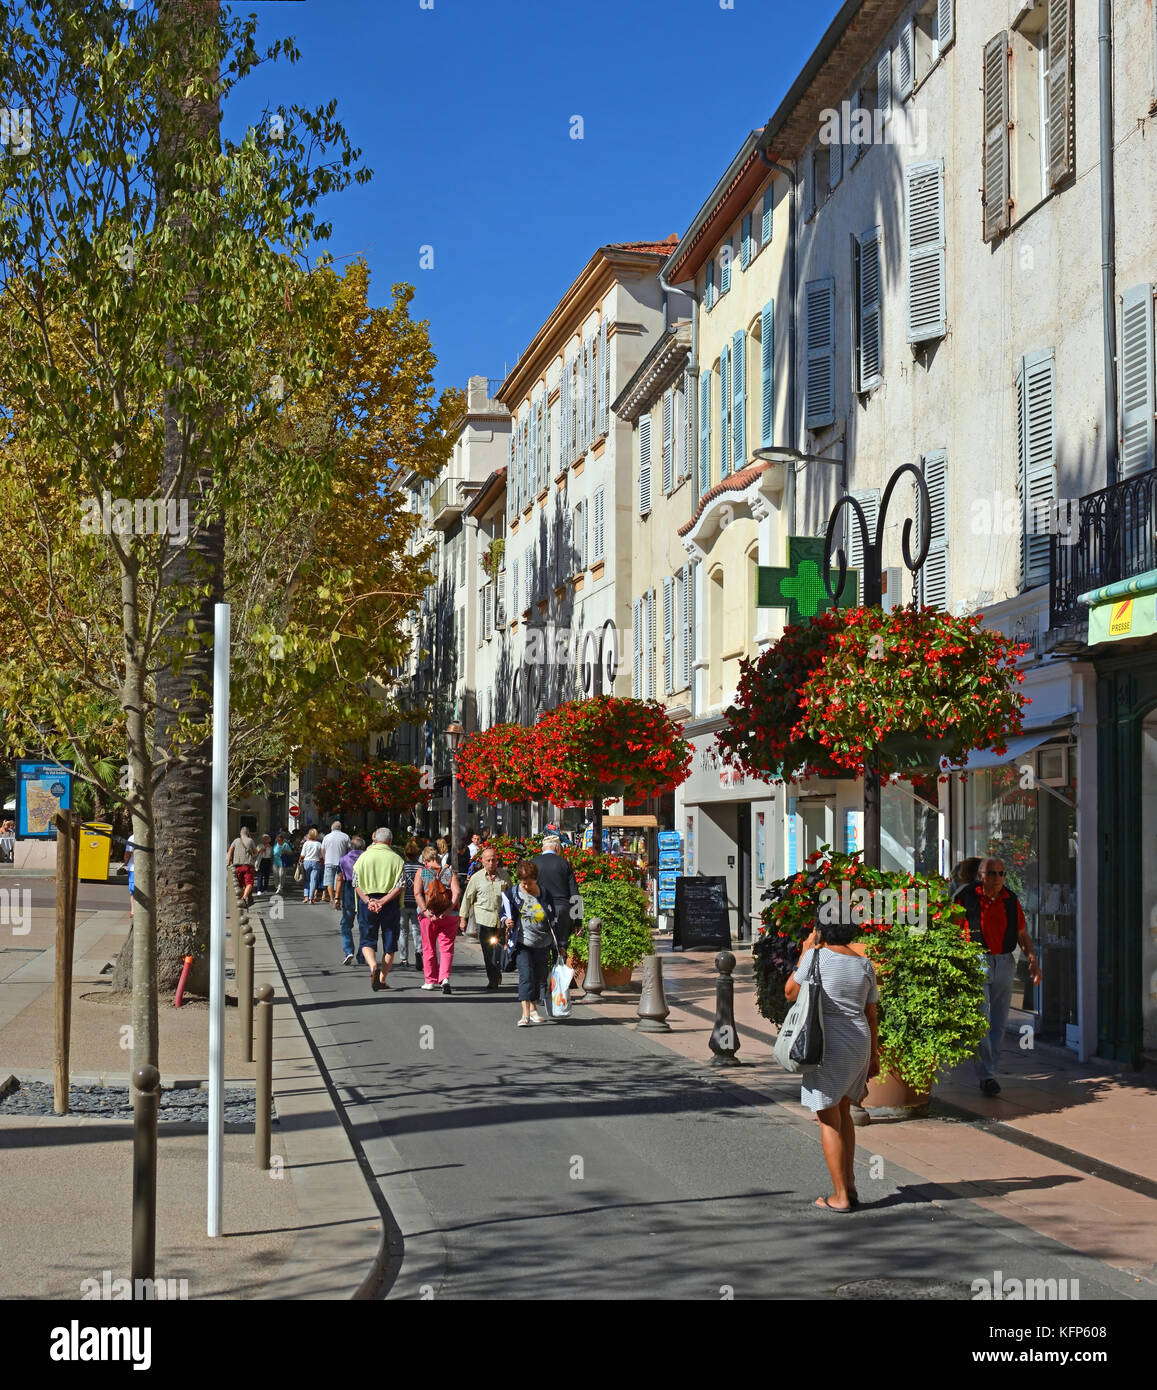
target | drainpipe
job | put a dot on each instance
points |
(1108, 241)
(793, 440)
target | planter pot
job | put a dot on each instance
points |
(890, 1098)
(612, 979)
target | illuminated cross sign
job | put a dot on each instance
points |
(800, 587)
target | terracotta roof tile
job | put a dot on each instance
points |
(735, 483)
(659, 248)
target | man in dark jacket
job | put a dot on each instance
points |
(996, 917)
(557, 877)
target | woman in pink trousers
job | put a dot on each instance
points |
(437, 893)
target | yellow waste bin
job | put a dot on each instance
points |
(95, 848)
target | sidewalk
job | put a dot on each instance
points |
(307, 1228)
(1067, 1149)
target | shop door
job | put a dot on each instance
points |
(743, 863)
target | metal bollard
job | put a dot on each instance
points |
(724, 1040)
(593, 980)
(146, 1103)
(653, 1008)
(264, 1074)
(245, 994)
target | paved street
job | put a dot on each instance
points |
(584, 1159)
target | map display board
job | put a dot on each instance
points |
(42, 789)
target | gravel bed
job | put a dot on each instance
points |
(183, 1105)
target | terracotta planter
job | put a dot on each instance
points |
(612, 979)
(890, 1098)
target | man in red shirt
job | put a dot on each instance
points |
(996, 917)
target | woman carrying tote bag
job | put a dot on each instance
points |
(848, 994)
(529, 917)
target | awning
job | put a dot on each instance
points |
(630, 822)
(1127, 608)
(983, 758)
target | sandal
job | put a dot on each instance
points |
(523, 1023)
(375, 984)
(827, 1206)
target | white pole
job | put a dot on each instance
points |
(217, 849)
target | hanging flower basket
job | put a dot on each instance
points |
(374, 786)
(913, 686)
(491, 558)
(609, 747)
(497, 764)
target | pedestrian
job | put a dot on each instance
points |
(282, 858)
(7, 842)
(848, 996)
(312, 860)
(335, 845)
(409, 933)
(482, 905)
(129, 856)
(443, 847)
(240, 856)
(437, 894)
(556, 875)
(264, 864)
(528, 911)
(996, 917)
(349, 897)
(378, 882)
(966, 872)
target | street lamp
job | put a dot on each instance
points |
(453, 736)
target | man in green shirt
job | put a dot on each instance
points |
(482, 905)
(378, 883)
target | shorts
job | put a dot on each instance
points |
(132, 881)
(388, 922)
(244, 874)
(330, 876)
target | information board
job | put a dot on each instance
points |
(701, 918)
(42, 789)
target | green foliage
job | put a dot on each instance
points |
(627, 923)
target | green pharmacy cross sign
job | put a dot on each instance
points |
(800, 587)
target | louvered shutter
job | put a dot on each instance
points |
(1060, 90)
(870, 316)
(564, 414)
(514, 594)
(543, 432)
(1038, 487)
(704, 431)
(599, 520)
(709, 291)
(768, 204)
(651, 652)
(535, 461)
(637, 649)
(997, 192)
(604, 378)
(932, 580)
(725, 267)
(668, 635)
(593, 388)
(767, 374)
(906, 61)
(644, 465)
(857, 105)
(679, 430)
(835, 163)
(1137, 403)
(585, 400)
(668, 442)
(884, 85)
(853, 541)
(820, 405)
(944, 28)
(500, 598)
(745, 241)
(689, 422)
(724, 414)
(484, 597)
(511, 482)
(739, 400)
(584, 548)
(924, 232)
(685, 669)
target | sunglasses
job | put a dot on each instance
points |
(994, 873)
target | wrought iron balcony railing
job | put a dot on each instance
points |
(1115, 538)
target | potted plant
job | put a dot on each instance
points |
(626, 930)
(374, 786)
(491, 558)
(930, 974)
(608, 747)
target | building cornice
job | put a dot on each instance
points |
(661, 366)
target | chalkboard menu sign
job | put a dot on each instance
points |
(701, 921)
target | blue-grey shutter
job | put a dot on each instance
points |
(511, 499)
(600, 522)
(739, 400)
(819, 400)
(564, 413)
(932, 580)
(996, 192)
(884, 85)
(688, 423)
(1060, 91)
(685, 668)
(668, 635)
(644, 465)
(535, 460)
(637, 649)
(924, 235)
(514, 591)
(651, 652)
(604, 377)
(668, 442)
(724, 414)
(906, 61)
(745, 241)
(767, 375)
(835, 162)
(870, 355)
(704, 431)
(709, 291)
(1038, 474)
(765, 231)
(869, 500)
(1137, 404)
(944, 30)
(725, 267)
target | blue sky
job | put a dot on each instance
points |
(463, 112)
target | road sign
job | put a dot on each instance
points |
(295, 810)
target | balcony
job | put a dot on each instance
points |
(445, 505)
(1115, 538)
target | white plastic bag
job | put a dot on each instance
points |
(560, 982)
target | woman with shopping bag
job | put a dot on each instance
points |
(531, 922)
(847, 995)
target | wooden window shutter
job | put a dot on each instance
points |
(725, 267)
(651, 652)
(819, 401)
(870, 315)
(564, 414)
(997, 189)
(869, 500)
(668, 441)
(767, 375)
(511, 500)
(688, 423)
(835, 163)
(679, 432)
(704, 431)
(1038, 474)
(668, 635)
(685, 665)
(724, 414)
(745, 241)
(500, 597)
(884, 85)
(1060, 91)
(768, 203)
(637, 649)
(924, 233)
(709, 291)
(944, 25)
(514, 595)
(932, 580)
(604, 378)
(599, 522)
(906, 61)
(739, 400)
(1137, 403)
(644, 465)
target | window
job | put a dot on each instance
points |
(686, 594)
(819, 400)
(922, 40)
(924, 234)
(819, 183)
(597, 549)
(884, 87)
(745, 241)
(767, 375)
(867, 366)
(579, 537)
(869, 501)
(715, 639)
(709, 287)
(652, 654)
(997, 191)
(724, 415)
(704, 431)
(1038, 473)
(932, 580)
(637, 649)
(767, 218)
(604, 377)
(1137, 389)
(1041, 47)
(644, 465)
(726, 255)
(668, 442)
(739, 400)
(668, 635)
